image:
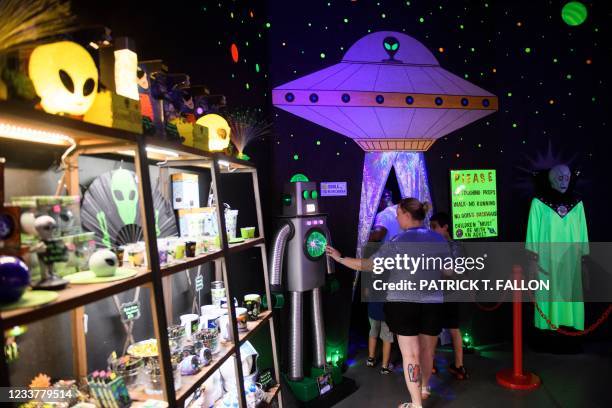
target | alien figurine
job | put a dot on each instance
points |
(50, 250)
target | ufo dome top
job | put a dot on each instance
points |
(390, 46)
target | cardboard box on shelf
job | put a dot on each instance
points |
(185, 191)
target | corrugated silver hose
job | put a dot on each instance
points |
(296, 372)
(318, 329)
(278, 252)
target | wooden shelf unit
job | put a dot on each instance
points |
(95, 140)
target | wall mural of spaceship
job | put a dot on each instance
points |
(389, 93)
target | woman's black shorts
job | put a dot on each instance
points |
(412, 319)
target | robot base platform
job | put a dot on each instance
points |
(307, 391)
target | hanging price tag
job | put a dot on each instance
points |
(199, 283)
(130, 311)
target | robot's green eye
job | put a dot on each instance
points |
(314, 194)
(305, 194)
(387, 46)
(287, 200)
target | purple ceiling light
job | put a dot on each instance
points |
(388, 93)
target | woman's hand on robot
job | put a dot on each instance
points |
(332, 252)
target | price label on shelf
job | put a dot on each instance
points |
(199, 283)
(130, 311)
(266, 379)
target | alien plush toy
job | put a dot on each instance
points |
(50, 250)
(558, 239)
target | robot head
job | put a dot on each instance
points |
(300, 196)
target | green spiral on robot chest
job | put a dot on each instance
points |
(315, 244)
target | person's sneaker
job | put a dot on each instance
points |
(409, 405)
(386, 370)
(370, 362)
(460, 373)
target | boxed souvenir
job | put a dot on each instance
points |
(185, 191)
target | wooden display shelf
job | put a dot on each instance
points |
(188, 263)
(71, 297)
(248, 243)
(271, 394)
(84, 133)
(189, 383)
(254, 326)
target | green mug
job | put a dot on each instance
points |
(247, 232)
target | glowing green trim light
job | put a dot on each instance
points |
(287, 200)
(298, 177)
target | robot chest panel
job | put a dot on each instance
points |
(306, 266)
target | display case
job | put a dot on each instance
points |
(174, 378)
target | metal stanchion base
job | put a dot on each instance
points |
(527, 381)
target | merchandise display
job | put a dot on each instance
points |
(109, 230)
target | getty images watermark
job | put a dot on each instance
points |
(447, 267)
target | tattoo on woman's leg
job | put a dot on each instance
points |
(414, 373)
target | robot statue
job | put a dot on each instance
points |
(303, 233)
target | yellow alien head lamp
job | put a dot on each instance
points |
(65, 77)
(218, 131)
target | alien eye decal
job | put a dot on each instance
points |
(66, 80)
(132, 195)
(118, 195)
(88, 86)
(391, 46)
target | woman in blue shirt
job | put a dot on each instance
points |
(413, 316)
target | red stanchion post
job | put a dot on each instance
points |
(514, 378)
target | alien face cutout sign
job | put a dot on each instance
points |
(65, 77)
(391, 45)
(125, 194)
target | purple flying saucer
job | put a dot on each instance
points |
(388, 93)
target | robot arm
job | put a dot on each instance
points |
(284, 234)
(331, 265)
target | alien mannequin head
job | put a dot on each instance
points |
(391, 45)
(559, 177)
(125, 195)
(65, 77)
(45, 227)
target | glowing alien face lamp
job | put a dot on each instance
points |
(65, 77)
(218, 131)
